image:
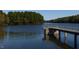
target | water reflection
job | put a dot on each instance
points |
(2, 35)
(59, 44)
(19, 35)
(21, 40)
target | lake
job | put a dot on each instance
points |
(32, 36)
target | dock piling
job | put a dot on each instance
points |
(59, 35)
(75, 41)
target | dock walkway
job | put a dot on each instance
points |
(65, 30)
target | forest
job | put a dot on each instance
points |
(20, 18)
(68, 19)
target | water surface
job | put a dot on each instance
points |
(32, 36)
(25, 36)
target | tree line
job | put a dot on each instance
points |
(15, 18)
(68, 19)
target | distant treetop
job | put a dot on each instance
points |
(68, 19)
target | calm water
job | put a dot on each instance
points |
(31, 36)
(25, 36)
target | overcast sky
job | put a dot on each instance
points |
(52, 14)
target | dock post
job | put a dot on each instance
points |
(59, 35)
(65, 34)
(65, 37)
(45, 32)
(75, 41)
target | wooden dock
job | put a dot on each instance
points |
(52, 30)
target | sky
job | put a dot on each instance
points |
(51, 14)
